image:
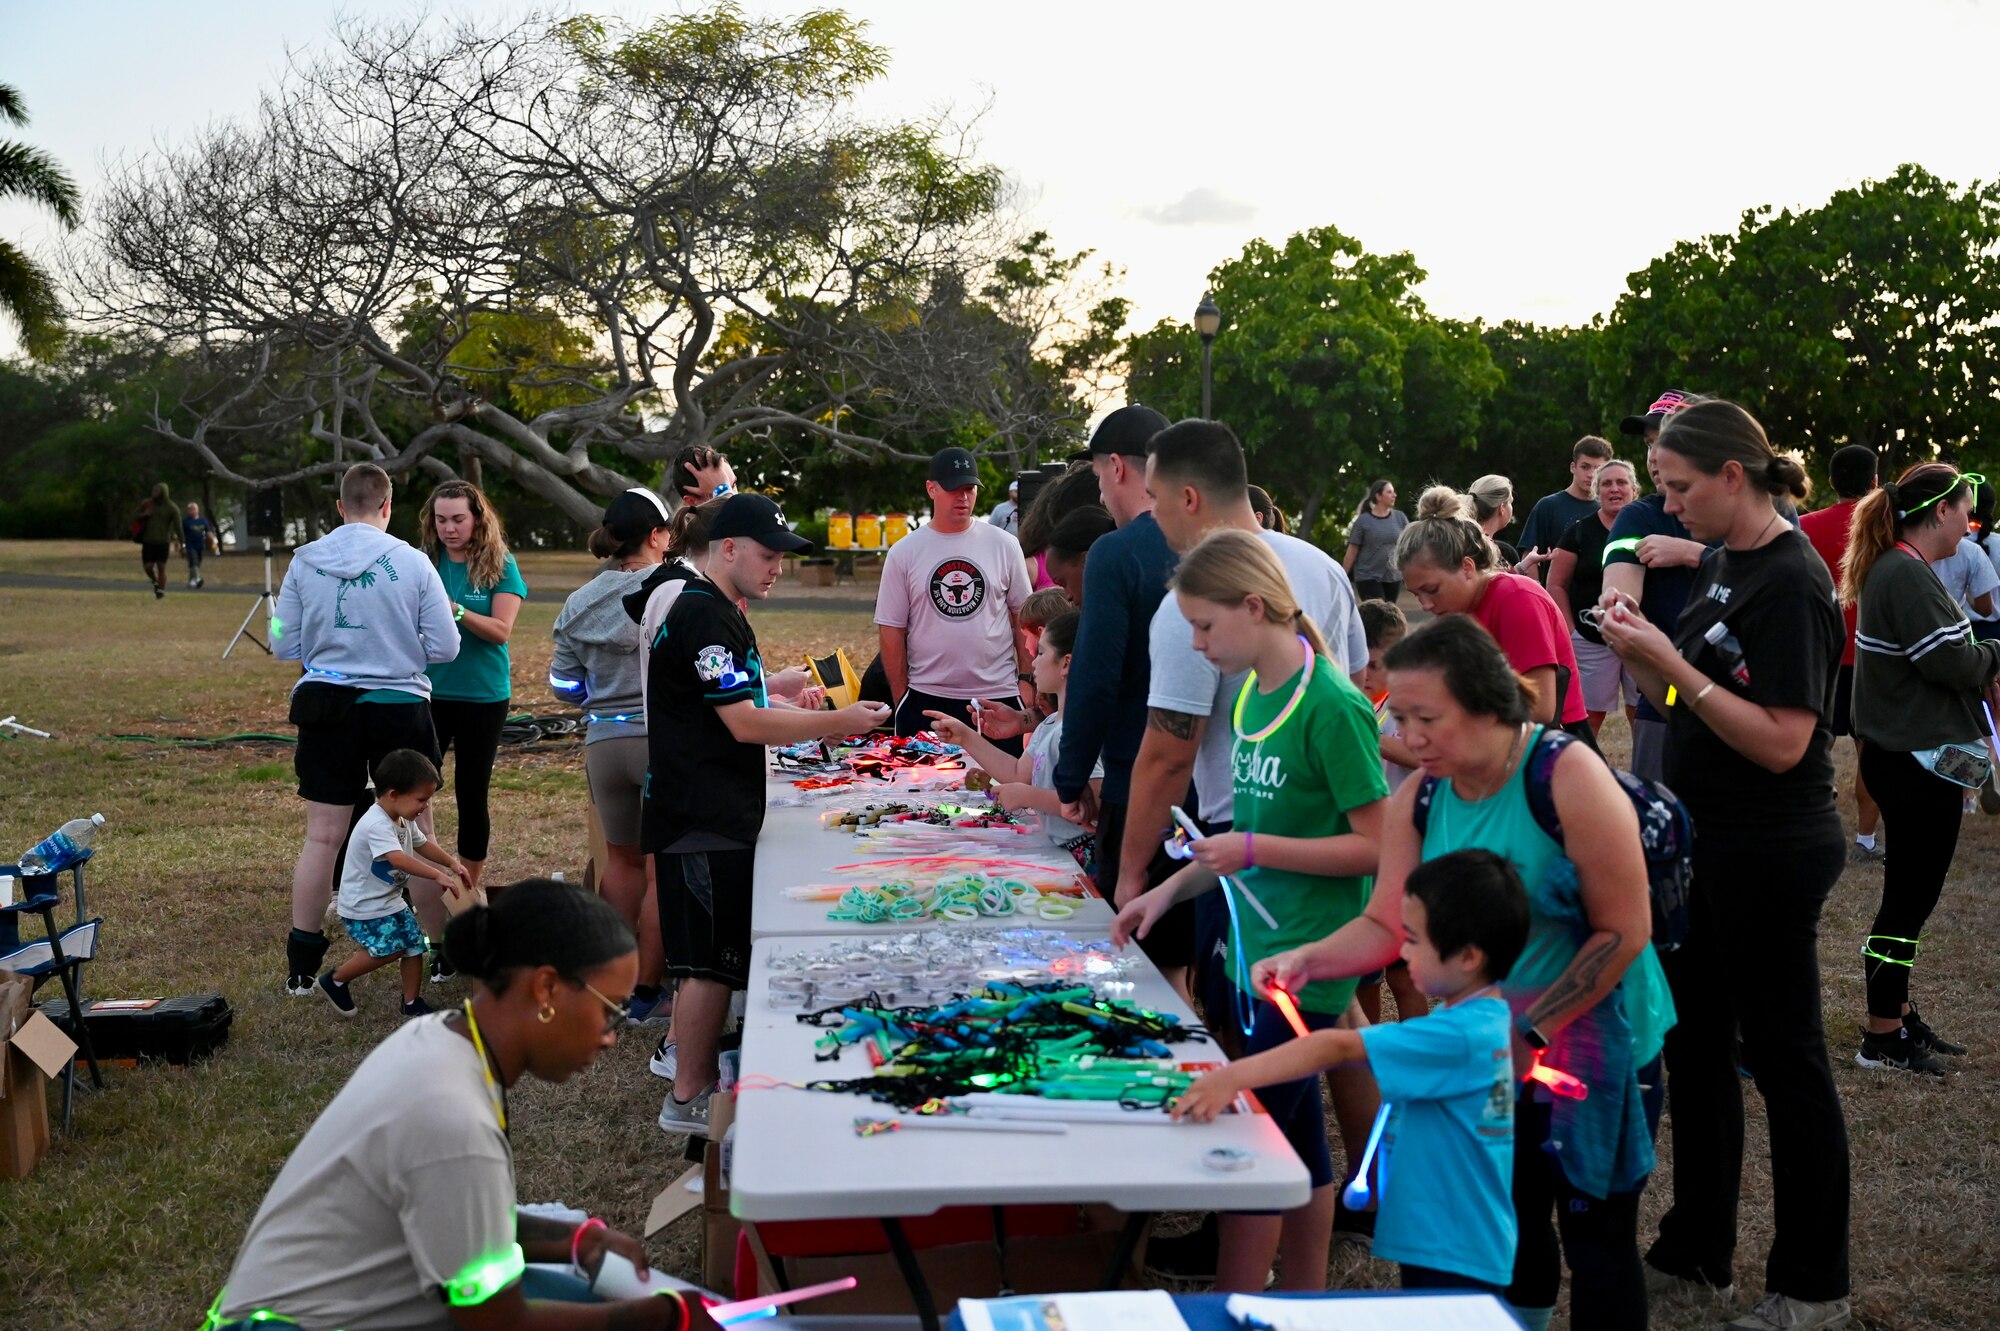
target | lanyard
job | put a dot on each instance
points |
(494, 1090)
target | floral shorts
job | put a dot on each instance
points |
(397, 935)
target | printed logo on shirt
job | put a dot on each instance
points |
(958, 588)
(1264, 776)
(1718, 592)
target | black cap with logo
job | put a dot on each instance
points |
(752, 517)
(953, 469)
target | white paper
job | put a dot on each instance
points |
(1409, 1312)
(1121, 1310)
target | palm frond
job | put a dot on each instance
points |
(31, 173)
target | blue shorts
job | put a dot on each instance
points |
(397, 935)
(1295, 1106)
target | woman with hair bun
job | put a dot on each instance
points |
(397, 1208)
(1452, 568)
(1919, 676)
(1746, 683)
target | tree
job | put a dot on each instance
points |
(1872, 319)
(1542, 407)
(735, 251)
(1330, 369)
(27, 290)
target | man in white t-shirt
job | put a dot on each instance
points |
(949, 610)
(1970, 578)
(1006, 515)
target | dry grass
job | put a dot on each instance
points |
(132, 1221)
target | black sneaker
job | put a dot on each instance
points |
(416, 1007)
(300, 986)
(337, 994)
(1188, 1257)
(1896, 1051)
(441, 970)
(1928, 1039)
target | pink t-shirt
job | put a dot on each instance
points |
(1523, 619)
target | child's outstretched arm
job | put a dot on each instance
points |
(444, 870)
(1002, 767)
(1307, 1056)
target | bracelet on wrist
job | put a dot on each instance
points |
(457, 612)
(576, 1246)
(1249, 851)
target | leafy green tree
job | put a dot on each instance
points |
(1872, 319)
(1542, 407)
(27, 290)
(1329, 368)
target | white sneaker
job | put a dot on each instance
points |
(1781, 1312)
(689, 1118)
(666, 1060)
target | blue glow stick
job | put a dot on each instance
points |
(1357, 1193)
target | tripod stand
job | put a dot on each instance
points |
(267, 601)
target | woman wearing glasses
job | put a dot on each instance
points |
(1746, 683)
(397, 1207)
(1920, 680)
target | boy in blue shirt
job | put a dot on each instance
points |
(1445, 1166)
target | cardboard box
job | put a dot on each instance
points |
(718, 1227)
(817, 573)
(33, 1049)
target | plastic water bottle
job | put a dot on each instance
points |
(64, 846)
(1730, 650)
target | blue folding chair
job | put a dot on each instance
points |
(59, 952)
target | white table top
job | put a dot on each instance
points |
(797, 1156)
(796, 849)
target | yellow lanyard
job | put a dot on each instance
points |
(494, 1090)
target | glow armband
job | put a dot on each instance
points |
(568, 688)
(485, 1278)
(277, 628)
(1629, 543)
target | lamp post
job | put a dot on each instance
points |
(1207, 322)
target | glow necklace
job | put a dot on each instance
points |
(494, 1090)
(1298, 696)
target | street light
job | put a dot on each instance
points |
(1207, 322)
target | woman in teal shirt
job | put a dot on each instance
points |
(469, 696)
(1309, 801)
(1588, 993)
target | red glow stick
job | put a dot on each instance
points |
(1283, 1002)
(725, 1313)
(1562, 1083)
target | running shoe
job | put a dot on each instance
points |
(1781, 1312)
(685, 1118)
(1860, 854)
(1928, 1039)
(441, 970)
(337, 994)
(416, 1007)
(1896, 1051)
(666, 1059)
(1665, 1287)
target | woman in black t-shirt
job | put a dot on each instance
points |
(1747, 685)
(1576, 581)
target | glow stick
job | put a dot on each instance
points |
(1283, 1002)
(1194, 833)
(725, 1313)
(1562, 1083)
(1357, 1193)
(982, 1123)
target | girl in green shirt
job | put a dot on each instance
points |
(469, 695)
(1309, 794)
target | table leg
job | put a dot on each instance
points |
(913, 1275)
(1128, 1243)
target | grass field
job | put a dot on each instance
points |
(132, 1221)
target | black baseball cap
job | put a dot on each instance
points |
(634, 514)
(753, 517)
(954, 469)
(1665, 405)
(1126, 431)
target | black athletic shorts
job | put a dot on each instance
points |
(153, 552)
(1843, 701)
(341, 739)
(705, 913)
(1171, 942)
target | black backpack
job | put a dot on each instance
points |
(1666, 833)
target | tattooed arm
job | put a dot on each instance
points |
(1160, 776)
(1612, 871)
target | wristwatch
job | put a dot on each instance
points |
(1534, 1038)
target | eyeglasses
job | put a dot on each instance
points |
(620, 1013)
(1972, 478)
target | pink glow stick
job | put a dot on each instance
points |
(725, 1313)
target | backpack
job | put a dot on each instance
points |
(1666, 833)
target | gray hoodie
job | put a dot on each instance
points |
(597, 665)
(362, 609)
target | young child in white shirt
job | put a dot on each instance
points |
(384, 849)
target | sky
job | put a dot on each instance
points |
(1530, 155)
